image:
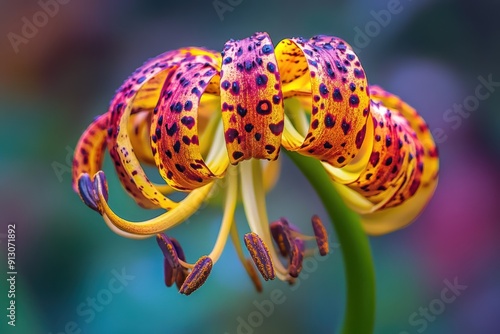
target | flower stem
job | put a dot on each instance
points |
(359, 270)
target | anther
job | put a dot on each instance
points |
(296, 257)
(279, 236)
(321, 235)
(260, 255)
(171, 261)
(182, 272)
(198, 275)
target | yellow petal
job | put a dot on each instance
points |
(169, 219)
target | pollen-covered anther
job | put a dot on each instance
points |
(321, 235)
(296, 258)
(171, 260)
(260, 255)
(197, 276)
(278, 229)
(182, 272)
(291, 242)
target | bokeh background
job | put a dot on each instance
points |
(431, 53)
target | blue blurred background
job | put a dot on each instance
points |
(434, 54)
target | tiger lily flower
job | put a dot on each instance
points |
(203, 118)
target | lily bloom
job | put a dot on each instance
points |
(216, 121)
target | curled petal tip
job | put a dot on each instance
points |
(87, 192)
(198, 275)
(321, 235)
(260, 255)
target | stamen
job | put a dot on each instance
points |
(253, 274)
(260, 255)
(279, 236)
(198, 276)
(296, 257)
(249, 267)
(321, 235)
(186, 264)
(182, 272)
(169, 273)
(227, 219)
(252, 192)
(171, 261)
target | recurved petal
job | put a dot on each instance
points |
(422, 132)
(89, 152)
(151, 227)
(418, 176)
(389, 156)
(174, 127)
(151, 75)
(251, 97)
(339, 97)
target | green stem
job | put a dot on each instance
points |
(359, 270)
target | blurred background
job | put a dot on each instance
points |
(56, 77)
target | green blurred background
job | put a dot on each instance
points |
(431, 53)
